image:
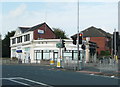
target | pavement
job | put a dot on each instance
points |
(92, 69)
(88, 69)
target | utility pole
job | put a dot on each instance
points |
(115, 43)
(78, 53)
(59, 57)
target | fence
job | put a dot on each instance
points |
(9, 61)
(68, 63)
(106, 65)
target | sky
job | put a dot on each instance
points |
(59, 14)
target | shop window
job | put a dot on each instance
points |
(38, 54)
(46, 55)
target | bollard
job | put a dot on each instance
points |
(51, 61)
(58, 63)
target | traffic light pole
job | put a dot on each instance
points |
(59, 57)
(78, 54)
(115, 44)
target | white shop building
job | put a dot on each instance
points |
(38, 43)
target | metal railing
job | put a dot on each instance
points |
(107, 65)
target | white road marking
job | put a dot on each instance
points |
(113, 77)
(35, 82)
(92, 74)
(19, 82)
(13, 79)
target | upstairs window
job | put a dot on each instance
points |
(19, 39)
(14, 41)
(27, 37)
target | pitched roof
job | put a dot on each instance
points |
(35, 27)
(23, 29)
(95, 32)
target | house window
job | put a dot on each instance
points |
(27, 37)
(19, 39)
(13, 40)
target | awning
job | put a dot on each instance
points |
(19, 51)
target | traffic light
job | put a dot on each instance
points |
(80, 38)
(92, 47)
(83, 47)
(74, 38)
(116, 41)
(119, 42)
(63, 43)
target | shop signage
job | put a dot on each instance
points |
(40, 31)
(19, 51)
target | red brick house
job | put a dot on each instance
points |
(40, 31)
(100, 37)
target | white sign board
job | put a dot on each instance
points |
(40, 31)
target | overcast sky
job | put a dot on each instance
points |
(99, 13)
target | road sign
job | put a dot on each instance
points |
(59, 45)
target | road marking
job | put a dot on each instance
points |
(13, 80)
(106, 76)
(19, 82)
(36, 82)
(92, 74)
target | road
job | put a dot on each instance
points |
(47, 76)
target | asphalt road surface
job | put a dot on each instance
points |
(46, 76)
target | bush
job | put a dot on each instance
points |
(105, 53)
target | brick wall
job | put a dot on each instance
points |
(48, 33)
(101, 42)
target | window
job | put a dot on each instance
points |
(27, 37)
(46, 54)
(13, 40)
(38, 54)
(19, 39)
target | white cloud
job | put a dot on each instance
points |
(18, 11)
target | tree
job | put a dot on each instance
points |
(60, 33)
(6, 44)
